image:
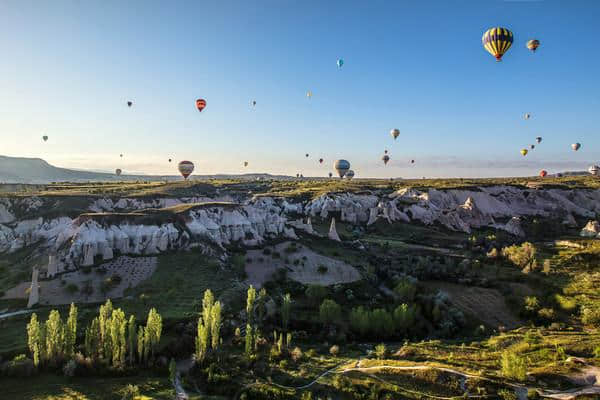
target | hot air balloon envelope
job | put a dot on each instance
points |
(200, 104)
(576, 146)
(533, 44)
(543, 173)
(118, 171)
(186, 168)
(395, 133)
(342, 167)
(497, 41)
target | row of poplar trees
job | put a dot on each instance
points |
(110, 337)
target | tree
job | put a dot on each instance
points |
(261, 305)
(34, 339)
(404, 318)
(54, 337)
(513, 366)
(153, 329)
(104, 324)
(406, 289)
(286, 308)
(93, 347)
(359, 320)
(249, 341)
(251, 297)
(172, 370)
(382, 324)
(522, 256)
(315, 294)
(117, 338)
(330, 312)
(380, 351)
(71, 331)
(202, 339)
(140, 343)
(215, 325)
(131, 339)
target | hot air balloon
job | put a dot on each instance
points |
(297, 175)
(543, 173)
(527, 116)
(121, 155)
(129, 103)
(412, 161)
(532, 146)
(253, 103)
(349, 175)
(533, 44)
(245, 163)
(309, 94)
(385, 159)
(320, 161)
(497, 41)
(395, 133)
(330, 174)
(538, 139)
(576, 146)
(306, 155)
(118, 171)
(200, 104)
(169, 160)
(45, 138)
(385, 152)
(340, 62)
(342, 167)
(524, 152)
(594, 170)
(559, 174)
(186, 168)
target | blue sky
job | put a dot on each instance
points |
(68, 68)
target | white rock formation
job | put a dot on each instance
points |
(333, 235)
(52, 266)
(591, 230)
(34, 290)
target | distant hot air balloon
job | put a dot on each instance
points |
(186, 168)
(129, 103)
(342, 167)
(245, 163)
(412, 161)
(533, 44)
(170, 160)
(532, 146)
(594, 170)
(527, 116)
(340, 63)
(309, 94)
(576, 146)
(559, 174)
(385, 151)
(385, 159)
(121, 155)
(45, 138)
(200, 104)
(320, 161)
(543, 173)
(253, 103)
(497, 41)
(524, 152)
(297, 175)
(395, 133)
(538, 139)
(118, 171)
(306, 155)
(349, 175)
(330, 174)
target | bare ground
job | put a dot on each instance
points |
(486, 304)
(131, 270)
(302, 266)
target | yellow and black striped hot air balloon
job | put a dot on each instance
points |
(497, 41)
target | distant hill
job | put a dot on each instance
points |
(36, 170)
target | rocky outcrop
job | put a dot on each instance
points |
(34, 291)
(591, 230)
(333, 235)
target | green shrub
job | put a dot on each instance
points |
(130, 392)
(507, 394)
(522, 256)
(380, 351)
(591, 316)
(513, 366)
(334, 350)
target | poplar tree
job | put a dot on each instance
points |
(104, 324)
(215, 325)
(249, 341)
(93, 346)
(153, 329)
(250, 299)
(140, 343)
(54, 336)
(131, 339)
(286, 308)
(34, 339)
(201, 340)
(117, 337)
(71, 331)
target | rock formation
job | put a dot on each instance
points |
(34, 290)
(591, 230)
(333, 235)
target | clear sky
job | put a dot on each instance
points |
(67, 69)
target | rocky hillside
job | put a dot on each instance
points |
(84, 230)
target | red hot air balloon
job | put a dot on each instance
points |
(320, 161)
(543, 173)
(200, 104)
(186, 168)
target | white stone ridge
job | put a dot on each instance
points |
(131, 204)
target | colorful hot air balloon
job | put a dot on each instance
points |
(320, 161)
(349, 175)
(385, 159)
(497, 41)
(532, 146)
(200, 104)
(594, 170)
(543, 173)
(45, 138)
(245, 163)
(309, 94)
(340, 62)
(186, 168)
(129, 103)
(395, 133)
(533, 44)
(118, 171)
(538, 139)
(576, 146)
(524, 152)
(527, 116)
(342, 167)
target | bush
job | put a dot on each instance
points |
(131, 392)
(334, 350)
(513, 366)
(506, 394)
(522, 256)
(591, 316)
(380, 351)
(69, 368)
(316, 293)
(330, 312)
(19, 367)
